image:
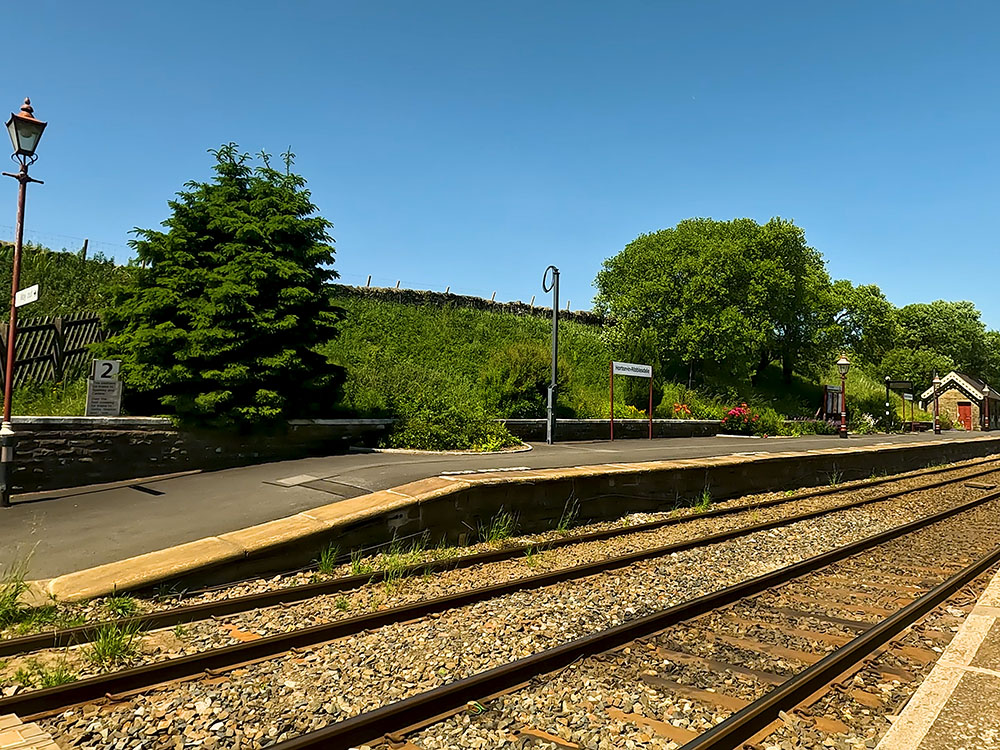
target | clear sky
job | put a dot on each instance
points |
(469, 145)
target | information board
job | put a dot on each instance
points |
(104, 398)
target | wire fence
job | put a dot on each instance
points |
(51, 348)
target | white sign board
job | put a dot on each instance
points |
(104, 398)
(628, 368)
(25, 296)
(106, 370)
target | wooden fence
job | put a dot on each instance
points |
(51, 348)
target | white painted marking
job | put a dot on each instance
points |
(484, 471)
(296, 480)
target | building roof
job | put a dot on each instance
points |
(971, 386)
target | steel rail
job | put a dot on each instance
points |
(366, 728)
(52, 699)
(192, 613)
(751, 719)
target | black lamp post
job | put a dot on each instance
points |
(25, 132)
(937, 421)
(843, 365)
(986, 407)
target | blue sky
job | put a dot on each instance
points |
(470, 145)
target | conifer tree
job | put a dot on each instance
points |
(222, 321)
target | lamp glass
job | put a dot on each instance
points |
(24, 134)
(843, 365)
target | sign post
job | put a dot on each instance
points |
(896, 385)
(104, 390)
(635, 371)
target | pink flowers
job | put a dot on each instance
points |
(740, 420)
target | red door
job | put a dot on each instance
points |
(965, 414)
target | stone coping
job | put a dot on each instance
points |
(93, 422)
(161, 565)
(656, 420)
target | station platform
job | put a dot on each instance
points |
(957, 707)
(62, 531)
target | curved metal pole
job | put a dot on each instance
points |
(550, 423)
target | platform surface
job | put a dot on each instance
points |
(65, 531)
(958, 706)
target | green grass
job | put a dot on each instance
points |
(51, 399)
(121, 606)
(499, 528)
(570, 512)
(34, 674)
(704, 503)
(112, 645)
(360, 565)
(327, 562)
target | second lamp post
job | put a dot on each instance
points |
(843, 365)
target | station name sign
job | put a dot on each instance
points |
(628, 368)
(899, 385)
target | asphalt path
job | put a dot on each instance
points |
(70, 530)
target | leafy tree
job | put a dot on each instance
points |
(721, 297)
(918, 365)
(866, 321)
(221, 322)
(953, 329)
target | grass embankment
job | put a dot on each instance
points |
(423, 361)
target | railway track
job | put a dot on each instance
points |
(72, 636)
(121, 685)
(696, 652)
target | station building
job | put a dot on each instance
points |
(963, 398)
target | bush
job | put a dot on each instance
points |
(740, 420)
(811, 427)
(861, 423)
(770, 423)
(439, 429)
(515, 380)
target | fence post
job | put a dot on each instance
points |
(58, 348)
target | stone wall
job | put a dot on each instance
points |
(59, 452)
(948, 404)
(419, 298)
(533, 430)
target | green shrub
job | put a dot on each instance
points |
(811, 427)
(740, 420)
(770, 423)
(515, 380)
(449, 428)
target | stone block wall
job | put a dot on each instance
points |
(948, 404)
(533, 430)
(59, 452)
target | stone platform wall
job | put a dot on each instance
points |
(58, 452)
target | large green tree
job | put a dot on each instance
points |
(866, 320)
(720, 297)
(229, 304)
(953, 329)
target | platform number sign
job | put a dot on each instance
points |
(107, 369)
(104, 390)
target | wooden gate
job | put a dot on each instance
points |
(51, 348)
